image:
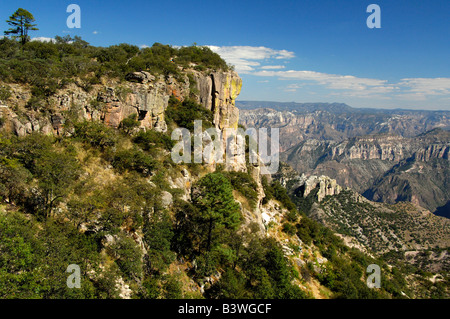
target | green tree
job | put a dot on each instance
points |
(172, 288)
(13, 179)
(230, 286)
(56, 172)
(215, 201)
(21, 22)
(158, 235)
(130, 123)
(128, 257)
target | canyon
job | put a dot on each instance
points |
(387, 155)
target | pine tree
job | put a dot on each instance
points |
(21, 22)
(217, 206)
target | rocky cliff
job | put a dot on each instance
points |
(337, 122)
(384, 167)
(389, 155)
(147, 97)
(143, 94)
(323, 185)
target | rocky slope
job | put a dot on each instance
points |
(384, 167)
(376, 228)
(399, 160)
(146, 96)
(114, 202)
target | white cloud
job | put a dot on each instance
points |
(284, 54)
(273, 67)
(414, 89)
(426, 86)
(245, 58)
(95, 32)
(332, 81)
(293, 87)
(43, 39)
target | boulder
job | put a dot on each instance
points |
(140, 77)
(166, 199)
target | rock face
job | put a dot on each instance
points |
(383, 167)
(336, 122)
(143, 94)
(218, 93)
(146, 96)
(389, 155)
(325, 186)
(373, 227)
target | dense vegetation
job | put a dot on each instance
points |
(50, 66)
(344, 270)
(183, 114)
(62, 206)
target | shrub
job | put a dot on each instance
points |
(129, 124)
(203, 56)
(185, 113)
(289, 229)
(96, 134)
(172, 288)
(5, 93)
(133, 160)
(244, 184)
(128, 256)
(150, 139)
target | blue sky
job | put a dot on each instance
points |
(303, 51)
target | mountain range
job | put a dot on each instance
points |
(386, 155)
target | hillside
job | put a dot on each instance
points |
(87, 179)
(402, 234)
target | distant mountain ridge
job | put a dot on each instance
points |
(385, 168)
(334, 107)
(293, 106)
(387, 155)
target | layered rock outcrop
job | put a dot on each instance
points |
(218, 93)
(304, 185)
(334, 122)
(143, 94)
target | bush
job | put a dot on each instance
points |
(130, 123)
(96, 134)
(151, 139)
(244, 184)
(5, 93)
(289, 229)
(73, 57)
(203, 56)
(172, 288)
(128, 256)
(133, 160)
(183, 114)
